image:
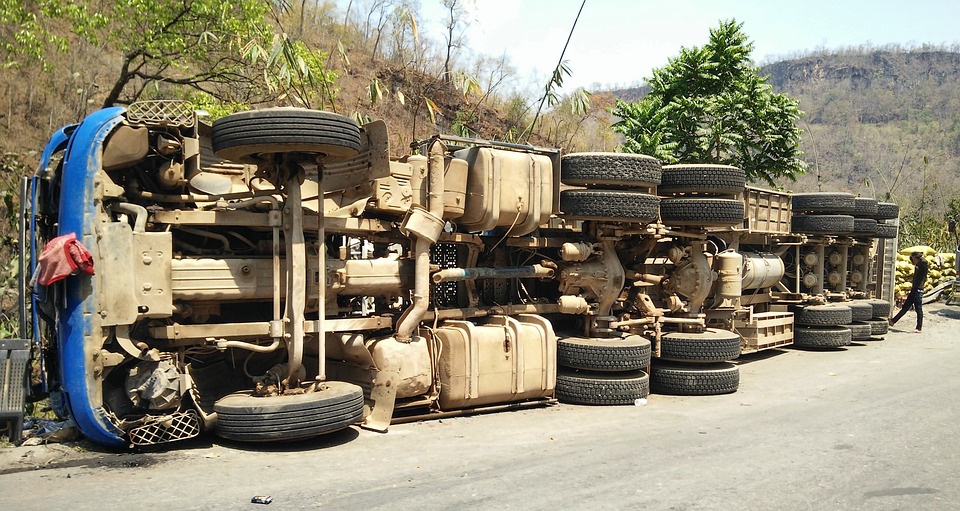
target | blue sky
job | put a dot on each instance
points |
(619, 42)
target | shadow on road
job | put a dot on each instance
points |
(760, 355)
(321, 442)
(952, 313)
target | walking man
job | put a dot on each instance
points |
(915, 298)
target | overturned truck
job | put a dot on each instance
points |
(278, 275)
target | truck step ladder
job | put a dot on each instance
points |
(14, 360)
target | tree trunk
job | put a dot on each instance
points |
(122, 81)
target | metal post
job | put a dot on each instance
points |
(321, 281)
(22, 256)
(296, 275)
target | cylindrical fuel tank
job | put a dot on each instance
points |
(761, 270)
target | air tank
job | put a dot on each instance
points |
(761, 270)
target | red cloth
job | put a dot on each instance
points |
(63, 256)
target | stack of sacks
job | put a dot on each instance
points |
(942, 269)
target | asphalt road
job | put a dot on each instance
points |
(870, 427)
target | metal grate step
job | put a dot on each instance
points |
(166, 428)
(14, 360)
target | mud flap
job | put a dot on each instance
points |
(378, 409)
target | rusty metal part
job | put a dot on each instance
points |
(322, 277)
(378, 409)
(510, 272)
(154, 385)
(223, 344)
(127, 146)
(122, 336)
(296, 277)
(188, 334)
(693, 277)
(492, 310)
(645, 305)
(625, 323)
(570, 304)
(139, 212)
(475, 411)
(577, 252)
(421, 292)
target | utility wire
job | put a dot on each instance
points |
(546, 90)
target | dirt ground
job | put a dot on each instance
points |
(870, 426)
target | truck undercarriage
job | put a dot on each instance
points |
(278, 275)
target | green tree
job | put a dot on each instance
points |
(709, 105)
(225, 48)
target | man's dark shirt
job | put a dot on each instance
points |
(920, 274)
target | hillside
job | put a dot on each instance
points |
(883, 122)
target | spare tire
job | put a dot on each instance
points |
(610, 170)
(244, 417)
(251, 137)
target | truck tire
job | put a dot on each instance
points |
(821, 337)
(859, 331)
(824, 202)
(701, 211)
(247, 418)
(585, 388)
(878, 326)
(887, 211)
(822, 315)
(823, 224)
(702, 179)
(694, 380)
(864, 207)
(711, 345)
(885, 231)
(610, 170)
(860, 310)
(881, 308)
(864, 227)
(615, 354)
(249, 136)
(610, 205)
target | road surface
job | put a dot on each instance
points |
(873, 427)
